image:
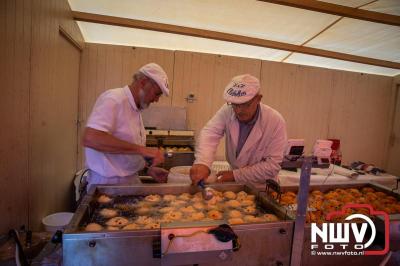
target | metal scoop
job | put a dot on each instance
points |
(205, 191)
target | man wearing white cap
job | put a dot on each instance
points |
(255, 136)
(115, 137)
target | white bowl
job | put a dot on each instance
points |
(179, 174)
(57, 221)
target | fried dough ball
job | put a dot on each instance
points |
(177, 203)
(112, 228)
(215, 199)
(174, 215)
(166, 209)
(169, 197)
(153, 225)
(103, 199)
(250, 210)
(212, 206)
(93, 227)
(217, 193)
(396, 207)
(268, 217)
(317, 204)
(252, 219)
(235, 221)
(188, 209)
(117, 221)
(229, 195)
(233, 203)
(332, 203)
(361, 200)
(331, 195)
(367, 189)
(108, 213)
(235, 214)
(364, 211)
(214, 214)
(199, 206)
(251, 197)
(316, 193)
(166, 220)
(196, 199)
(185, 196)
(197, 216)
(380, 194)
(131, 226)
(144, 220)
(339, 191)
(371, 196)
(291, 194)
(315, 216)
(347, 199)
(287, 199)
(143, 210)
(390, 199)
(241, 195)
(355, 192)
(198, 195)
(247, 202)
(153, 198)
(143, 203)
(125, 206)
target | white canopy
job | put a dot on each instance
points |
(253, 19)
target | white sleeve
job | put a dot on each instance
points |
(103, 114)
(269, 167)
(210, 136)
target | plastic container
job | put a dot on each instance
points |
(57, 221)
(179, 174)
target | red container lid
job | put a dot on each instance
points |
(335, 144)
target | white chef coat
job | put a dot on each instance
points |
(262, 152)
(116, 113)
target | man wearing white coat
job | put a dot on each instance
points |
(255, 136)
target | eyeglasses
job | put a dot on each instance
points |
(242, 105)
(155, 87)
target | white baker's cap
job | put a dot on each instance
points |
(241, 89)
(156, 73)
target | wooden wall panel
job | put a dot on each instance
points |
(28, 68)
(105, 67)
(302, 95)
(320, 103)
(14, 112)
(53, 112)
(360, 111)
(393, 155)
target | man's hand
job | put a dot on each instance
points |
(225, 176)
(158, 174)
(199, 172)
(155, 154)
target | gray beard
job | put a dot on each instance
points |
(143, 105)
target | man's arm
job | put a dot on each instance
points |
(105, 142)
(207, 145)
(210, 136)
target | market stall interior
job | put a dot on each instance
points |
(330, 68)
